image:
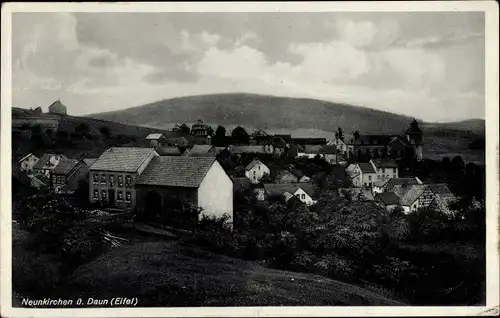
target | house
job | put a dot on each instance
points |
(202, 151)
(168, 151)
(329, 153)
(63, 172)
(385, 169)
(27, 163)
(199, 180)
(363, 175)
(286, 176)
(155, 139)
(46, 164)
(419, 196)
(58, 108)
(182, 128)
(89, 161)
(389, 200)
(386, 185)
(279, 144)
(303, 191)
(200, 129)
(79, 173)
(113, 175)
(339, 144)
(256, 170)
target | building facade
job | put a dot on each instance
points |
(113, 175)
(256, 170)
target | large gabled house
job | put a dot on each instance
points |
(414, 197)
(58, 108)
(113, 175)
(199, 180)
(27, 163)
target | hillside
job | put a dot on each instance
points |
(260, 111)
(187, 276)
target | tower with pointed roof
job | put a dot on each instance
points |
(415, 135)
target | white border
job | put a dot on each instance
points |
(492, 154)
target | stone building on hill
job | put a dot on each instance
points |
(58, 108)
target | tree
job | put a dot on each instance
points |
(219, 139)
(82, 128)
(240, 135)
(104, 130)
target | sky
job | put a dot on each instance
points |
(430, 65)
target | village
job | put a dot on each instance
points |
(209, 171)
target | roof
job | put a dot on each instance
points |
(154, 136)
(201, 149)
(44, 162)
(273, 189)
(284, 173)
(168, 151)
(371, 140)
(25, 157)
(89, 161)
(286, 138)
(413, 193)
(328, 150)
(366, 167)
(247, 149)
(309, 141)
(379, 163)
(401, 181)
(400, 139)
(381, 183)
(241, 184)
(388, 198)
(186, 172)
(57, 105)
(123, 159)
(440, 189)
(253, 163)
(65, 166)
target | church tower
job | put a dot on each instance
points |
(414, 136)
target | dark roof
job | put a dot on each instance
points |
(366, 167)
(187, 172)
(247, 149)
(286, 138)
(384, 163)
(65, 166)
(328, 150)
(123, 159)
(441, 189)
(168, 151)
(414, 192)
(388, 198)
(309, 141)
(273, 189)
(177, 140)
(241, 184)
(391, 183)
(44, 162)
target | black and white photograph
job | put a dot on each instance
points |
(256, 156)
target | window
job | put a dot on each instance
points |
(370, 178)
(128, 197)
(128, 181)
(119, 196)
(96, 194)
(383, 170)
(120, 181)
(378, 177)
(254, 173)
(103, 195)
(96, 178)
(111, 180)
(393, 170)
(303, 196)
(103, 179)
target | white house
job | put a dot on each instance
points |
(199, 180)
(414, 197)
(255, 170)
(339, 144)
(363, 175)
(27, 163)
(302, 191)
(385, 169)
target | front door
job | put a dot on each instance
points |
(111, 195)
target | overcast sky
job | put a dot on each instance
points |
(427, 65)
